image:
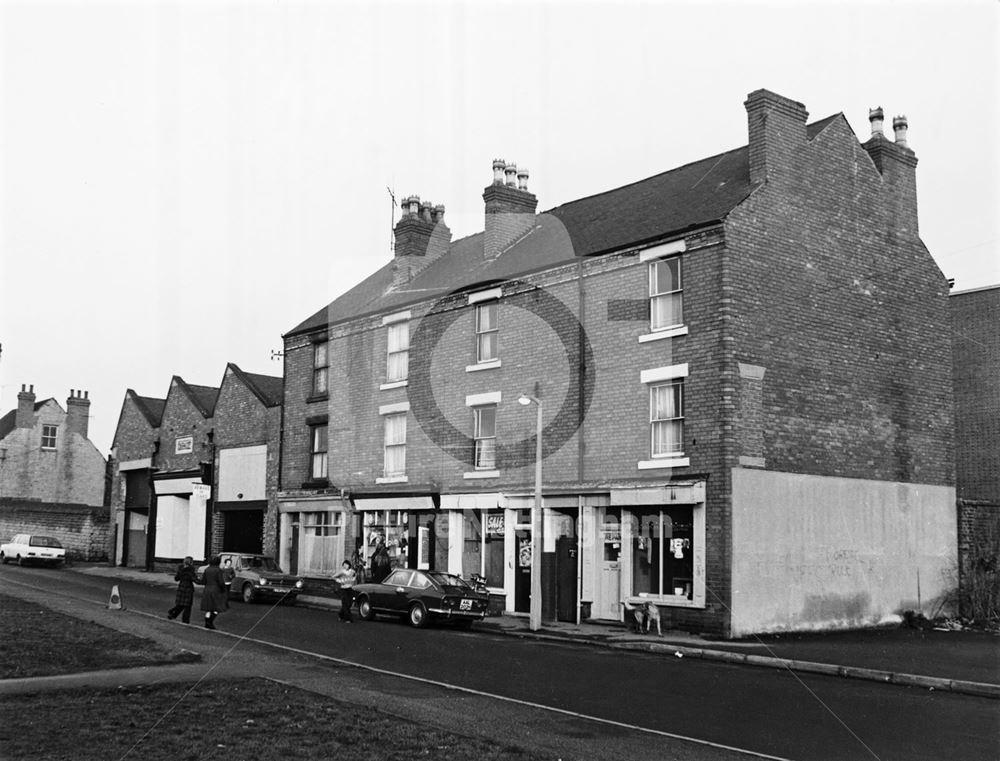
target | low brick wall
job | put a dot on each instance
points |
(978, 543)
(84, 530)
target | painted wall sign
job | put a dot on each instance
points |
(184, 445)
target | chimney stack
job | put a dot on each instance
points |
(78, 412)
(899, 126)
(510, 208)
(421, 236)
(25, 417)
(777, 127)
(897, 164)
(876, 117)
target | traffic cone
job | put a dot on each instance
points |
(115, 603)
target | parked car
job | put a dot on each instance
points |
(257, 577)
(33, 548)
(422, 596)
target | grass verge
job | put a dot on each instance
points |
(36, 641)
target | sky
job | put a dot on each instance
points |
(181, 183)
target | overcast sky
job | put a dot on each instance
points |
(181, 183)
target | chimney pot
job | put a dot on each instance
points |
(439, 213)
(899, 126)
(876, 117)
(522, 178)
(510, 173)
(425, 211)
(498, 167)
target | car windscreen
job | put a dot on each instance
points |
(447, 579)
(44, 541)
(261, 564)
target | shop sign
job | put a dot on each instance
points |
(495, 525)
(184, 445)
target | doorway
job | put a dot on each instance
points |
(522, 571)
(610, 570)
(243, 531)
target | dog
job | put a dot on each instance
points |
(644, 613)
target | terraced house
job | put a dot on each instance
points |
(742, 367)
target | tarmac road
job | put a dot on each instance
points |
(638, 700)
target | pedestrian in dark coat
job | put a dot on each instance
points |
(213, 599)
(380, 563)
(185, 591)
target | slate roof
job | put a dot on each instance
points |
(268, 388)
(9, 421)
(685, 198)
(203, 397)
(150, 407)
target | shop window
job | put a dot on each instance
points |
(395, 445)
(398, 353)
(666, 419)
(663, 552)
(390, 528)
(472, 542)
(487, 332)
(485, 425)
(318, 453)
(49, 436)
(320, 368)
(493, 548)
(665, 295)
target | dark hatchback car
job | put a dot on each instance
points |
(257, 577)
(422, 597)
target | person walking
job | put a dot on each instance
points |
(184, 598)
(380, 563)
(228, 574)
(346, 576)
(213, 599)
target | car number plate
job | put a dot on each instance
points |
(465, 604)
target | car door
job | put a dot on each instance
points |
(394, 592)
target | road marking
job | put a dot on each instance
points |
(444, 685)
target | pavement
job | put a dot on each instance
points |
(943, 659)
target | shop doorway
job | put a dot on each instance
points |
(522, 572)
(610, 572)
(135, 539)
(293, 553)
(566, 578)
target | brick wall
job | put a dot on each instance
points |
(181, 418)
(848, 315)
(242, 420)
(975, 317)
(82, 529)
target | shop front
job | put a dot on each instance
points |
(410, 528)
(315, 535)
(181, 516)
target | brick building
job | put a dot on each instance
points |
(133, 448)
(744, 374)
(976, 334)
(247, 443)
(45, 454)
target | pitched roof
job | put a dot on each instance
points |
(203, 397)
(685, 198)
(150, 407)
(268, 388)
(9, 421)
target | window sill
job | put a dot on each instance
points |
(681, 330)
(491, 365)
(392, 480)
(317, 398)
(481, 474)
(392, 384)
(664, 462)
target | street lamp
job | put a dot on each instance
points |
(535, 609)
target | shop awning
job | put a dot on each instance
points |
(690, 492)
(472, 501)
(395, 503)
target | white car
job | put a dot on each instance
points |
(33, 548)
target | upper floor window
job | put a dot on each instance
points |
(665, 295)
(395, 444)
(666, 418)
(320, 367)
(398, 355)
(318, 452)
(485, 433)
(49, 436)
(487, 332)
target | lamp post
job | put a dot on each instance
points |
(535, 609)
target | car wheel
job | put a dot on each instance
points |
(418, 615)
(247, 593)
(20, 560)
(3, 558)
(365, 609)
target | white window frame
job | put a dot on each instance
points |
(400, 352)
(488, 442)
(660, 296)
(394, 446)
(677, 419)
(481, 333)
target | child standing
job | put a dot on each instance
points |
(346, 577)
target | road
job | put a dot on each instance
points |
(759, 711)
